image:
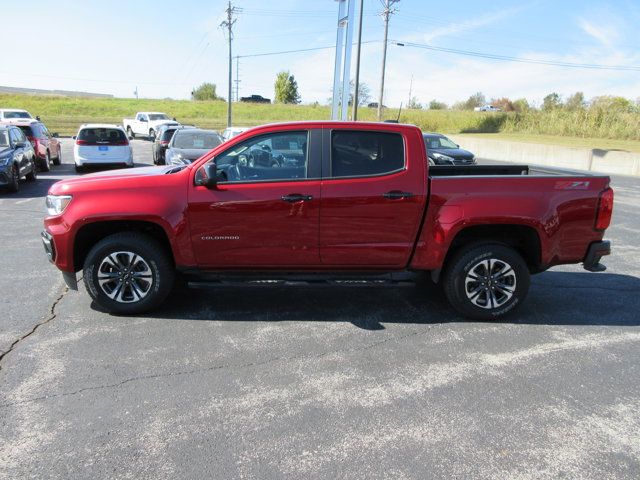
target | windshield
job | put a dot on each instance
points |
(158, 116)
(16, 115)
(4, 138)
(103, 136)
(439, 142)
(196, 140)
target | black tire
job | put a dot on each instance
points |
(152, 134)
(492, 296)
(32, 176)
(45, 165)
(147, 251)
(130, 133)
(58, 159)
(14, 185)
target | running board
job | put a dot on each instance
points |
(297, 283)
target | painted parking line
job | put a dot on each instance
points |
(26, 200)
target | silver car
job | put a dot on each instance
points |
(188, 144)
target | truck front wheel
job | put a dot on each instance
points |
(128, 273)
(486, 282)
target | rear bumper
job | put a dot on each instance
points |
(596, 251)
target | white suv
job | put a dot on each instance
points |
(10, 115)
(101, 144)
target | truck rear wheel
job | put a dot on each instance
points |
(128, 273)
(487, 281)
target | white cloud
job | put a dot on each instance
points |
(606, 34)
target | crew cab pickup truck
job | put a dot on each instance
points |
(348, 200)
(146, 124)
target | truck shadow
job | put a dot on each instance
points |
(555, 298)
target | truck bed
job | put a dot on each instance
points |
(498, 170)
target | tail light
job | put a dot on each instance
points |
(605, 209)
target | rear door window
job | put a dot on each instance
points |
(102, 136)
(365, 153)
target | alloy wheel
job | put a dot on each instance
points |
(490, 283)
(125, 277)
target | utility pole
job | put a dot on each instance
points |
(357, 79)
(228, 24)
(386, 13)
(410, 85)
(136, 93)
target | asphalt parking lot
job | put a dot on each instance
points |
(336, 382)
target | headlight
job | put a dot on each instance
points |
(5, 160)
(57, 203)
(441, 157)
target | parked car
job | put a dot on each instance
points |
(9, 115)
(230, 132)
(189, 144)
(146, 124)
(101, 145)
(45, 144)
(161, 142)
(443, 151)
(486, 108)
(255, 99)
(17, 158)
(372, 205)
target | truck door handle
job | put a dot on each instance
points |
(296, 197)
(397, 195)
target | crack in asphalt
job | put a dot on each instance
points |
(52, 315)
(219, 367)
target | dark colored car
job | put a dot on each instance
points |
(17, 158)
(443, 151)
(45, 144)
(189, 144)
(161, 142)
(255, 99)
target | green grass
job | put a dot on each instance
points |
(593, 128)
(574, 142)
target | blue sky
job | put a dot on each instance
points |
(167, 47)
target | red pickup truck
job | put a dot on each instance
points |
(326, 201)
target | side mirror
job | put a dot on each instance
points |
(38, 117)
(206, 176)
(55, 135)
(20, 144)
(74, 137)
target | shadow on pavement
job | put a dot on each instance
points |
(555, 298)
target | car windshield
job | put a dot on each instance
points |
(439, 142)
(28, 132)
(196, 140)
(104, 136)
(4, 138)
(158, 116)
(16, 115)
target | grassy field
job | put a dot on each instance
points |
(588, 128)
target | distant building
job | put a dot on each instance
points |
(61, 93)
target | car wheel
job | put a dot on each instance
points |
(152, 134)
(130, 133)
(32, 176)
(128, 273)
(45, 165)
(58, 159)
(487, 281)
(14, 184)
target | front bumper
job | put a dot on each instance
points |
(5, 174)
(50, 249)
(596, 251)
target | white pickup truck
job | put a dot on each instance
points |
(146, 123)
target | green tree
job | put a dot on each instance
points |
(436, 105)
(414, 104)
(206, 91)
(521, 105)
(610, 102)
(551, 102)
(286, 88)
(575, 101)
(475, 100)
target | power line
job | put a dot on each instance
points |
(506, 58)
(297, 51)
